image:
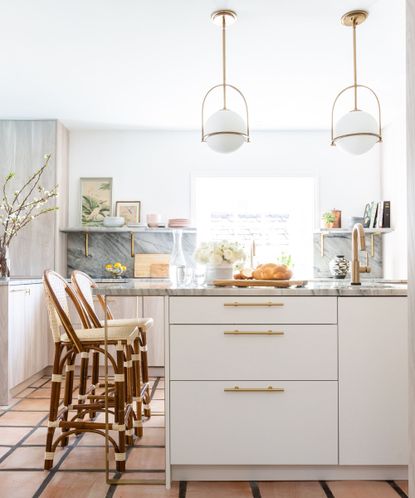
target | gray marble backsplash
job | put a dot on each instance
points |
(342, 244)
(107, 248)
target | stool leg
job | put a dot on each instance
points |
(95, 376)
(144, 373)
(128, 371)
(138, 423)
(83, 379)
(54, 405)
(67, 398)
(119, 411)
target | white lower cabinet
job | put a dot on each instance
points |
(295, 427)
(153, 307)
(373, 380)
(28, 333)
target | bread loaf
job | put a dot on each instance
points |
(272, 271)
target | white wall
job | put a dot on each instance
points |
(156, 166)
(392, 88)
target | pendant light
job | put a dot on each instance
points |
(357, 131)
(225, 130)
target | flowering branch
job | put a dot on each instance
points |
(15, 214)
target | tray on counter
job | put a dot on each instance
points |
(259, 283)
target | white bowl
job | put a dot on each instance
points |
(114, 221)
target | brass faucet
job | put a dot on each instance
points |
(358, 243)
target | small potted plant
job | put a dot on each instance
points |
(328, 219)
(116, 269)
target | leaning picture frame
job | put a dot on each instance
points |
(96, 200)
(129, 210)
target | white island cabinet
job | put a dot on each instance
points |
(287, 387)
(253, 381)
(373, 381)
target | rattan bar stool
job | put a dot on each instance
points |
(83, 285)
(68, 344)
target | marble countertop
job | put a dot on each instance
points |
(32, 280)
(136, 287)
(318, 287)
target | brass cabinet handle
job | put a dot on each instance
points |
(26, 291)
(268, 304)
(253, 332)
(268, 389)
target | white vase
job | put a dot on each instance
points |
(218, 272)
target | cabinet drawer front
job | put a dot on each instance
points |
(266, 309)
(213, 426)
(250, 352)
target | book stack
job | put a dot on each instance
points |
(377, 215)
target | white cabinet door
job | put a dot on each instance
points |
(123, 307)
(373, 381)
(29, 335)
(17, 334)
(153, 307)
(211, 426)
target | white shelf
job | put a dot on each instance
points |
(346, 231)
(125, 229)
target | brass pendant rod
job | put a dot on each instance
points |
(354, 64)
(224, 59)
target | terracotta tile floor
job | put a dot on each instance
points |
(79, 468)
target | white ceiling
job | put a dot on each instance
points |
(146, 64)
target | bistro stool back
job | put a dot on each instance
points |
(83, 285)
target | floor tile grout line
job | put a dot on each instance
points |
(397, 488)
(6, 410)
(56, 467)
(326, 489)
(21, 441)
(256, 492)
(69, 448)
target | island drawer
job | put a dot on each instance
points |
(262, 310)
(250, 352)
(212, 423)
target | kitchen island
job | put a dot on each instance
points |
(299, 383)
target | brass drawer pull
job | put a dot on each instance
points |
(268, 389)
(26, 291)
(269, 304)
(253, 332)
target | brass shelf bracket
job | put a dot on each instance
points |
(86, 243)
(132, 238)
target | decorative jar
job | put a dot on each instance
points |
(339, 266)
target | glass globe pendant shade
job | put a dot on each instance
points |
(225, 131)
(362, 127)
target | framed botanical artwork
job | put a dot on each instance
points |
(129, 210)
(96, 200)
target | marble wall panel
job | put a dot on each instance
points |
(342, 244)
(111, 247)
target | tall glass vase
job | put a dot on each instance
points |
(177, 260)
(4, 262)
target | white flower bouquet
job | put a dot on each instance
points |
(219, 253)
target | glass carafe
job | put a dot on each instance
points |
(177, 260)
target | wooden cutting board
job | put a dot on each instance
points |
(151, 265)
(259, 283)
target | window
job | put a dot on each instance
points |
(277, 213)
